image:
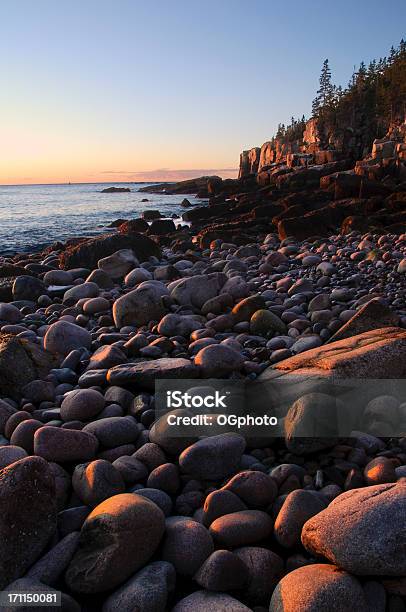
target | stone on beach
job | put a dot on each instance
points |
(118, 538)
(144, 373)
(148, 589)
(362, 531)
(96, 481)
(118, 264)
(213, 458)
(82, 405)
(318, 587)
(139, 306)
(186, 545)
(62, 337)
(64, 445)
(241, 528)
(218, 360)
(27, 515)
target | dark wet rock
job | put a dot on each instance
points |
(143, 374)
(113, 431)
(186, 545)
(160, 498)
(213, 458)
(148, 589)
(255, 489)
(265, 568)
(241, 528)
(64, 445)
(21, 362)
(71, 519)
(52, 565)
(298, 507)
(96, 481)
(220, 502)
(82, 405)
(27, 515)
(222, 571)
(116, 190)
(28, 288)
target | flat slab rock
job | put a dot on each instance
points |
(144, 373)
(379, 353)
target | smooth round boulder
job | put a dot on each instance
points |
(362, 531)
(63, 337)
(264, 568)
(213, 458)
(28, 288)
(241, 528)
(317, 587)
(220, 502)
(218, 360)
(27, 515)
(222, 571)
(79, 292)
(96, 481)
(64, 445)
(82, 405)
(118, 538)
(131, 469)
(298, 507)
(9, 454)
(95, 305)
(140, 306)
(118, 264)
(379, 471)
(10, 313)
(266, 323)
(255, 489)
(160, 498)
(148, 589)
(113, 431)
(186, 545)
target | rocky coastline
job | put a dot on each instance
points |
(297, 266)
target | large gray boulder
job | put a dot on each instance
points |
(362, 530)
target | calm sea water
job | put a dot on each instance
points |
(34, 216)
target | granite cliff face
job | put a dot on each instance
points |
(343, 143)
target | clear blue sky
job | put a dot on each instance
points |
(115, 90)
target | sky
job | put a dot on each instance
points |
(134, 90)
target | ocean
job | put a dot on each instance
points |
(34, 216)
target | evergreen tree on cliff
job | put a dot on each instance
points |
(325, 97)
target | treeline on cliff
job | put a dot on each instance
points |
(374, 99)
